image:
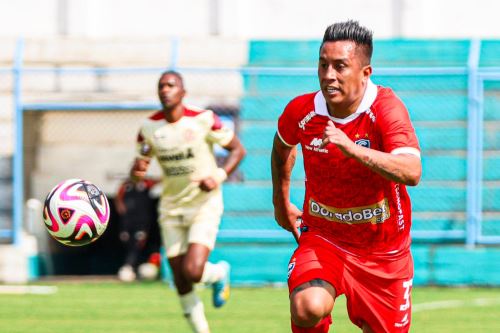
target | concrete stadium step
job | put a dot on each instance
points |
(432, 135)
(450, 167)
(428, 196)
(387, 53)
(422, 107)
(294, 84)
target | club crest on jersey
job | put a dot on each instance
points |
(363, 143)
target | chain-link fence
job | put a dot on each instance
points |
(488, 226)
(94, 138)
(6, 137)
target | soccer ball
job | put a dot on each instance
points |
(76, 212)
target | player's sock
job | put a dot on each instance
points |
(321, 327)
(194, 311)
(213, 272)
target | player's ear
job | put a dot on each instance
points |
(367, 71)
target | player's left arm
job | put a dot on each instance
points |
(236, 154)
(400, 167)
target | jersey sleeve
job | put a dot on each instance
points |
(288, 127)
(398, 134)
(219, 133)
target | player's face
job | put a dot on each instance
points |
(170, 91)
(342, 76)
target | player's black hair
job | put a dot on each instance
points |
(175, 73)
(351, 30)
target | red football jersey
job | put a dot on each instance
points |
(350, 205)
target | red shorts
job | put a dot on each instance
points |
(377, 289)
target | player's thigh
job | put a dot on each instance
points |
(195, 258)
(314, 259)
(174, 236)
(314, 277)
(204, 226)
(312, 298)
(381, 302)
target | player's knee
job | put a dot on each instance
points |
(192, 271)
(308, 311)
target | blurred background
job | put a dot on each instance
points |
(77, 77)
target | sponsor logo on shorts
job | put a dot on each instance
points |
(376, 213)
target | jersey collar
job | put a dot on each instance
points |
(367, 101)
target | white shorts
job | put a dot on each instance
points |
(197, 225)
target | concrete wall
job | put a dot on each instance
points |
(246, 18)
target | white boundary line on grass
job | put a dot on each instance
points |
(454, 304)
(21, 290)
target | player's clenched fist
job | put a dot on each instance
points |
(288, 218)
(139, 169)
(336, 136)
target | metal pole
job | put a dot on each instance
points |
(473, 127)
(18, 142)
(174, 56)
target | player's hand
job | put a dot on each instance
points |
(208, 184)
(336, 136)
(289, 218)
(139, 169)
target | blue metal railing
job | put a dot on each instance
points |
(476, 78)
(18, 195)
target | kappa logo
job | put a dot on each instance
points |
(316, 142)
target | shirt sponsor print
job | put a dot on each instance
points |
(375, 213)
(306, 119)
(315, 145)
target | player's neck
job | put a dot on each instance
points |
(343, 111)
(174, 114)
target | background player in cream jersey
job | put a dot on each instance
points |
(181, 138)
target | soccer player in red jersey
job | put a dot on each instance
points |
(360, 152)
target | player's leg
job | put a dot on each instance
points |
(310, 306)
(379, 294)
(203, 233)
(174, 237)
(127, 272)
(314, 276)
(366, 328)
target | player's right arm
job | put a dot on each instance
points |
(139, 169)
(282, 161)
(142, 160)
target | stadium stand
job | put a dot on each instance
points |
(257, 78)
(438, 105)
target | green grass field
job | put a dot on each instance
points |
(111, 307)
